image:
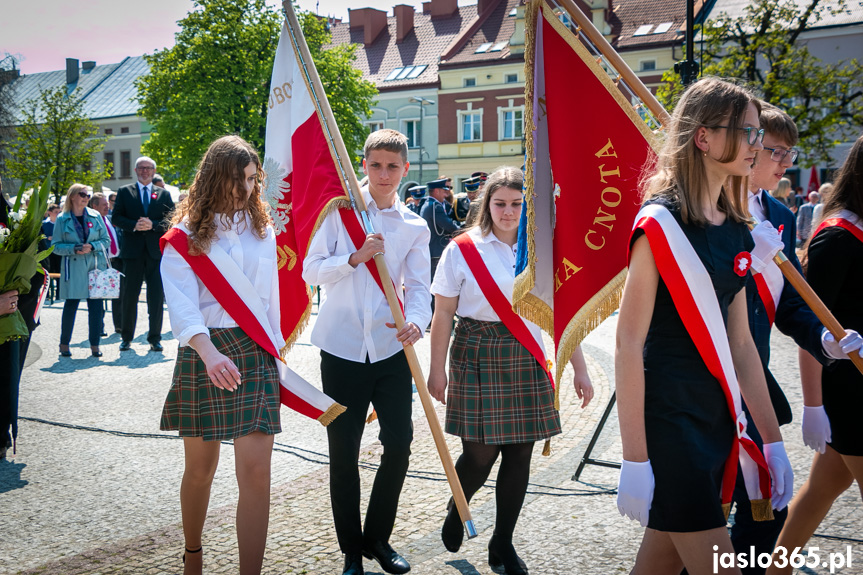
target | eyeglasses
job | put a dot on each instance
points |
(148, 168)
(753, 135)
(778, 154)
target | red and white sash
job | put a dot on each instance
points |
(770, 283)
(845, 219)
(358, 237)
(220, 274)
(501, 304)
(695, 299)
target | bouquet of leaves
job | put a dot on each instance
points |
(20, 255)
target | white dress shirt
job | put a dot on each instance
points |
(755, 206)
(191, 306)
(351, 319)
(453, 277)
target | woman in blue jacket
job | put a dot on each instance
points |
(81, 239)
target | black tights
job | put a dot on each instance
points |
(474, 466)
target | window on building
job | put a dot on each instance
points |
(471, 126)
(124, 130)
(109, 164)
(511, 78)
(483, 48)
(663, 28)
(125, 164)
(648, 65)
(512, 123)
(410, 128)
(375, 126)
(643, 30)
(469, 82)
(108, 131)
(499, 46)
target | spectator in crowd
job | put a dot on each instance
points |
(804, 217)
(50, 218)
(142, 212)
(824, 191)
(442, 226)
(112, 197)
(158, 181)
(785, 194)
(14, 351)
(81, 238)
(100, 203)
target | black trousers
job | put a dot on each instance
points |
(116, 304)
(387, 385)
(136, 272)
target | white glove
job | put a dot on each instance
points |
(635, 490)
(850, 343)
(781, 475)
(816, 428)
(768, 242)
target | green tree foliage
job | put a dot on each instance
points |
(215, 81)
(764, 49)
(56, 134)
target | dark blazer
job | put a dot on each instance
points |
(793, 316)
(440, 225)
(128, 208)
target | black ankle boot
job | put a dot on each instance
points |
(502, 557)
(452, 532)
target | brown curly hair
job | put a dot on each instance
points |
(220, 172)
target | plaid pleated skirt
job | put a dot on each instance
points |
(498, 394)
(197, 408)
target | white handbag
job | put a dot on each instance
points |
(104, 284)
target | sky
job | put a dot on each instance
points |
(43, 33)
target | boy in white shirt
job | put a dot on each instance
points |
(362, 356)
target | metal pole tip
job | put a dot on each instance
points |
(470, 528)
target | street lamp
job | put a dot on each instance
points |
(422, 102)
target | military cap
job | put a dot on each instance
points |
(437, 184)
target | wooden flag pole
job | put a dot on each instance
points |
(353, 187)
(598, 40)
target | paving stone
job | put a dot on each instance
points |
(101, 495)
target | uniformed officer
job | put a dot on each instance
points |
(441, 226)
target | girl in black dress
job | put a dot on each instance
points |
(675, 424)
(833, 394)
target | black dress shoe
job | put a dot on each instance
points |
(125, 345)
(502, 557)
(353, 564)
(383, 553)
(156, 346)
(65, 352)
(452, 532)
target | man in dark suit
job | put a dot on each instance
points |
(442, 227)
(141, 211)
(792, 316)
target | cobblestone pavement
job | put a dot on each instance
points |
(94, 486)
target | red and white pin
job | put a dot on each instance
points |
(89, 224)
(742, 263)
(154, 195)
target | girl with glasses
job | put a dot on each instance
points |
(685, 353)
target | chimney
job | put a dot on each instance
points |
(440, 8)
(71, 70)
(371, 21)
(484, 6)
(88, 65)
(404, 21)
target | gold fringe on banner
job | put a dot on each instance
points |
(762, 509)
(525, 281)
(298, 329)
(604, 303)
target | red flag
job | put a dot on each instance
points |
(301, 184)
(585, 157)
(814, 184)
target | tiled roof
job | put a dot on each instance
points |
(491, 40)
(645, 23)
(107, 91)
(422, 46)
(852, 13)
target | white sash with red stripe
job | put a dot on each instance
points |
(226, 281)
(695, 299)
(770, 283)
(845, 219)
